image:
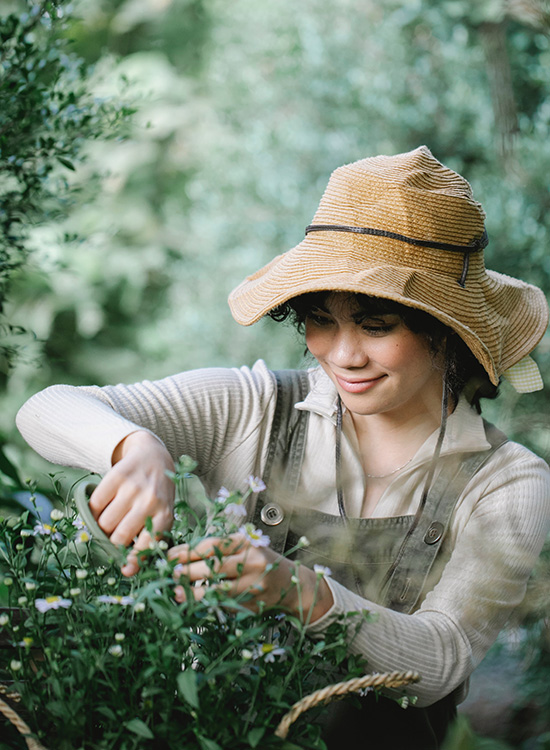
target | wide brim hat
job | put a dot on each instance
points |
(406, 228)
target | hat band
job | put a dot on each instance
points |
(472, 247)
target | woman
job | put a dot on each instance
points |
(426, 515)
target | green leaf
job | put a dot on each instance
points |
(255, 735)
(107, 712)
(139, 727)
(207, 744)
(66, 163)
(187, 687)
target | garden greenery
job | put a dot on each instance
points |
(101, 661)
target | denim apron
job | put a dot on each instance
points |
(390, 561)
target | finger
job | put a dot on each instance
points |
(142, 542)
(131, 517)
(209, 547)
(103, 494)
(131, 566)
(112, 517)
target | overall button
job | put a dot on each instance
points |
(434, 533)
(272, 514)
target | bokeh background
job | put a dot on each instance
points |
(154, 152)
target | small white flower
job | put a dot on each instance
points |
(8, 581)
(4, 619)
(81, 574)
(100, 571)
(15, 665)
(255, 483)
(247, 654)
(122, 600)
(223, 494)
(111, 581)
(294, 579)
(255, 536)
(119, 637)
(78, 523)
(161, 564)
(22, 601)
(139, 607)
(45, 529)
(115, 651)
(26, 532)
(75, 592)
(303, 541)
(322, 570)
(56, 514)
(30, 585)
(268, 651)
(52, 602)
(83, 536)
(163, 545)
(235, 509)
(26, 642)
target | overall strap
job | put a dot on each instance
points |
(285, 456)
(419, 550)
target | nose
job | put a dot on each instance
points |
(348, 349)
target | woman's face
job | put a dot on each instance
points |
(378, 365)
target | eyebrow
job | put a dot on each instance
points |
(357, 317)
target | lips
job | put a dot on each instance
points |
(357, 386)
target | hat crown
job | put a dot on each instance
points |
(411, 194)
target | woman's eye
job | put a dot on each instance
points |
(319, 319)
(377, 329)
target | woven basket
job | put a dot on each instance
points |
(324, 695)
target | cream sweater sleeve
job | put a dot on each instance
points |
(208, 414)
(494, 551)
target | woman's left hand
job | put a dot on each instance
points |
(266, 576)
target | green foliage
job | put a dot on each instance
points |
(46, 115)
(226, 161)
(105, 662)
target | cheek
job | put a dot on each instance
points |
(315, 341)
(408, 354)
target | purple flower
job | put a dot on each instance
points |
(223, 495)
(256, 484)
(235, 509)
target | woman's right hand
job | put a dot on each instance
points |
(134, 489)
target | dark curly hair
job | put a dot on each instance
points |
(463, 372)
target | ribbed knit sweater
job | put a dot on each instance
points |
(222, 418)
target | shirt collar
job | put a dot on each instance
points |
(465, 431)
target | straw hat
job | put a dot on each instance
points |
(407, 228)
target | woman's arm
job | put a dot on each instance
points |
(485, 578)
(133, 433)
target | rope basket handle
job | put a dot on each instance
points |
(18, 722)
(326, 694)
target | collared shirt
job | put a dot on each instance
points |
(222, 417)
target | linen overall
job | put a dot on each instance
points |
(389, 561)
